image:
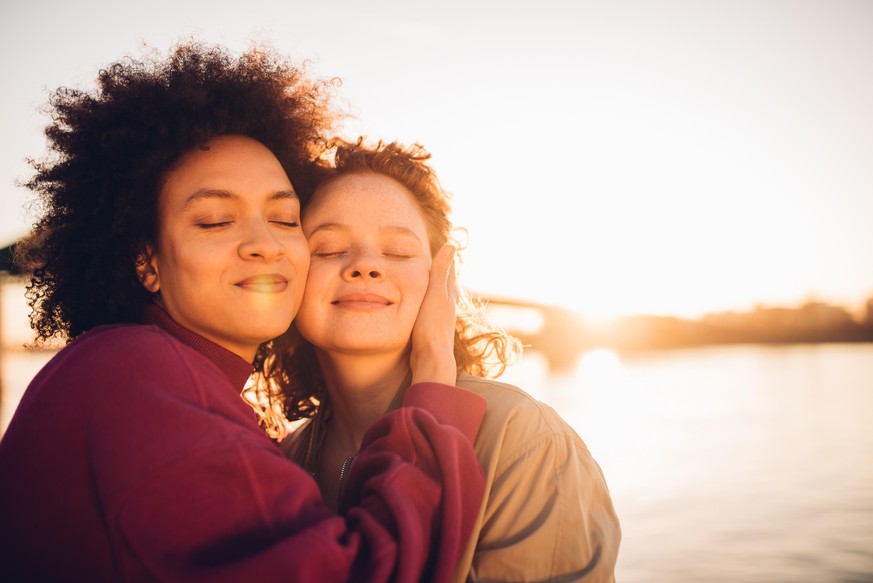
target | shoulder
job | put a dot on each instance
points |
(122, 337)
(133, 346)
(516, 421)
(122, 358)
(108, 348)
(514, 405)
(547, 512)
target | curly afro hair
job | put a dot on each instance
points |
(111, 147)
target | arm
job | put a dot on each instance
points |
(405, 496)
(194, 491)
(549, 516)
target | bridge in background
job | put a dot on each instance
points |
(560, 334)
(563, 335)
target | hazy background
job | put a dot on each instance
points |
(657, 157)
(663, 157)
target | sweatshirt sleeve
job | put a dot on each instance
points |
(193, 490)
(398, 491)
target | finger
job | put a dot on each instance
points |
(451, 281)
(442, 271)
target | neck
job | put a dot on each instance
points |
(245, 351)
(361, 389)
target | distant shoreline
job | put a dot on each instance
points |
(563, 335)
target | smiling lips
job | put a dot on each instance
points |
(361, 301)
(265, 283)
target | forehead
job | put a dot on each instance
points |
(234, 164)
(365, 199)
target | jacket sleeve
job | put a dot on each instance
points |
(193, 490)
(549, 517)
(400, 494)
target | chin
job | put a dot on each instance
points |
(364, 344)
(268, 327)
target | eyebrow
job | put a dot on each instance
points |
(397, 229)
(206, 193)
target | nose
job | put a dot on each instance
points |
(260, 243)
(363, 266)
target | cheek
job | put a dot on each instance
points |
(416, 284)
(318, 278)
(190, 250)
(171, 260)
(310, 313)
(298, 255)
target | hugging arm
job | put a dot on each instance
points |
(193, 490)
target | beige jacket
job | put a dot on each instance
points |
(547, 514)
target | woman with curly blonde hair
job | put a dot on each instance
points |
(373, 225)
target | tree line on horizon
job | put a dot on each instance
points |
(565, 335)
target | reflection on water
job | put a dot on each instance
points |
(18, 367)
(730, 464)
(726, 464)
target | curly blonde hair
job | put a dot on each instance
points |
(289, 384)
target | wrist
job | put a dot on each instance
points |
(433, 364)
(444, 373)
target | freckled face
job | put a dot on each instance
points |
(369, 268)
(230, 261)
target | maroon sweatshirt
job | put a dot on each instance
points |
(132, 457)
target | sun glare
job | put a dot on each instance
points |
(600, 367)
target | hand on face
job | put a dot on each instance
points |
(433, 337)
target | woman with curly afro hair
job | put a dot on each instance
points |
(168, 251)
(374, 224)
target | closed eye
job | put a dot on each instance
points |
(328, 254)
(217, 225)
(400, 251)
(287, 224)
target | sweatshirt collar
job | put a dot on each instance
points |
(235, 368)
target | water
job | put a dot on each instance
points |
(730, 464)
(726, 464)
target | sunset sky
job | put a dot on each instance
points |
(672, 157)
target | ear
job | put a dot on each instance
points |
(147, 270)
